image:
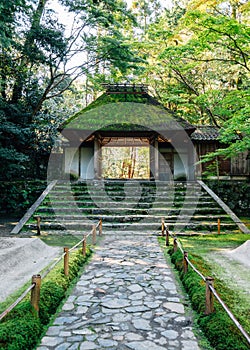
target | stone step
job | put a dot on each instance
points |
(112, 205)
(47, 218)
(137, 205)
(204, 226)
(132, 211)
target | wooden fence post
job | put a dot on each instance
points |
(219, 226)
(66, 261)
(94, 234)
(35, 292)
(175, 245)
(162, 226)
(185, 262)
(209, 296)
(167, 237)
(100, 227)
(84, 246)
(38, 225)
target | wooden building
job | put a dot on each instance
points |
(126, 133)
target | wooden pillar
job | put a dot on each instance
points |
(97, 158)
(94, 235)
(209, 296)
(185, 263)
(84, 246)
(38, 225)
(156, 151)
(162, 226)
(191, 162)
(167, 237)
(175, 245)
(35, 292)
(219, 226)
(152, 160)
(66, 261)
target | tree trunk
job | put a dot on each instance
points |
(27, 47)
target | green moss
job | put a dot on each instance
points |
(124, 112)
(22, 328)
(218, 327)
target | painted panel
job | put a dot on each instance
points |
(87, 163)
(72, 160)
(180, 166)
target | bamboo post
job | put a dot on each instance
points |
(209, 296)
(175, 245)
(35, 292)
(185, 262)
(38, 225)
(219, 226)
(100, 227)
(167, 237)
(162, 226)
(84, 246)
(66, 261)
(94, 234)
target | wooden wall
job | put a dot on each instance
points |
(237, 166)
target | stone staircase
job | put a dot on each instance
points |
(136, 206)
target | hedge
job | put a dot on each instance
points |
(23, 327)
(236, 194)
(217, 327)
(18, 196)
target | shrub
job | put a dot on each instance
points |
(18, 196)
(217, 327)
(22, 328)
(50, 298)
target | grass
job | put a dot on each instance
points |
(231, 277)
(22, 329)
(246, 221)
(207, 243)
(51, 240)
(67, 240)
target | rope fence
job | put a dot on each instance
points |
(210, 290)
(36, 279)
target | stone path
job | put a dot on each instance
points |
(127, 298)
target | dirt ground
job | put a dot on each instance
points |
(6, 225)
(20, 258)
(232, 267)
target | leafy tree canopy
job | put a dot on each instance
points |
(36, 55)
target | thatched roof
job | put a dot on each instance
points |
(126, 108)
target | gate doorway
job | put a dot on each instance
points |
(126, 162)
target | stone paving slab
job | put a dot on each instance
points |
(127, 298)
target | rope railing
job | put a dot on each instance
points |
(52, 266)
(236, 322)
(210, 290)
(11, 307)
(36, 279)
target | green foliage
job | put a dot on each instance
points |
(35, 52)
(235, 194)
(198, 62)
(50, 297)
(20, 329)
(17, 197)
(217, 327)
(23, 327)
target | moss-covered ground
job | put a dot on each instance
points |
(209, 254)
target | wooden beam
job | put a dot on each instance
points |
(223, 205)
(32, 209)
